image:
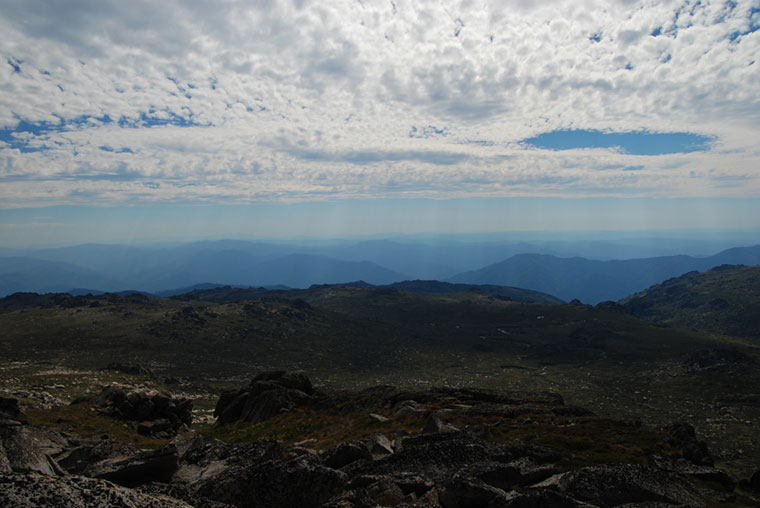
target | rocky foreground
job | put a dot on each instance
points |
(442, 447)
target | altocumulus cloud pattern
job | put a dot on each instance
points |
(238, 102)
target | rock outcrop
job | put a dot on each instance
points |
(683, 436)
(27, 449)
(35, 491)
(268, 395)
(9, 410)
(619, 484)
(457, 457)
(157, 414)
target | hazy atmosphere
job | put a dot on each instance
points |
(122, 121)
(377, 253)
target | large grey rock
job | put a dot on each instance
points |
(434, 424)
(9, 410)
(203, 460)
(369, 491)
(617, 484)
(704, 473)
(146, 406)
(268, 395)
(181, 493)
(80, 458)
(143, 467)
(345, 454)
(302, 482)
(380, 446)
(295, 380)
(515, 474)
(548, 499)
(682, 435)
(30, 449)
(469, 493)
(35, 491)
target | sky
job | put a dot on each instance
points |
(244, 118)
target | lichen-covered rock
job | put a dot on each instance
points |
(704, 473)
(5, 466)
(617, 484)
(143, 467)
(549, 499)
(203, 460)
(345, 454)
(380, 446)
(80, 458)
(434, 424)
(146, 406)
(34, 491)
(268, 395)
(302, 482)
(181, 493)
(469, 492)
(30, 449)
(295, 380)
(682, 435)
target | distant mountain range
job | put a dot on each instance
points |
(221, 267)
(113, 268)
(594, 281)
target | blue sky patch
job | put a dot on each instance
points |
(16, 64)
(26, 136)
(19, 137)
(427, 131)
(123, 149)
(153, 119)
(632, 143)
(753, 25)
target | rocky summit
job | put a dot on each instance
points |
(441, 447)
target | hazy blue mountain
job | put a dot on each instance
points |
(143, 262)
(593, 281)
(253, 263)
(737, 256)
(238, 268)
(34, 275)
(443, 258)
(97, 267)
(303, 270)
(428, 261)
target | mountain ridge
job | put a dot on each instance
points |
(724, 299)
(593, 281)
(111, 268)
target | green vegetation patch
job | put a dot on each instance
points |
(84, 419)
(324, 429)
(588, 441)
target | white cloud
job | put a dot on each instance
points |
(297, 100)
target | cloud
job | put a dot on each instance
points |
(282, 100)
(369, 157)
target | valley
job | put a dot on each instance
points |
(602, 358)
